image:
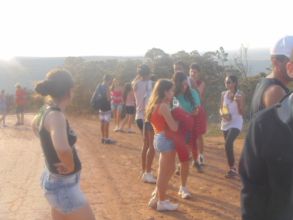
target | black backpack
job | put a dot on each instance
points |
(96, 98)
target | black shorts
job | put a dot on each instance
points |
(19, 109)
(130, 110)
(147, 126)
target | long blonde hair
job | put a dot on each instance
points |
(157, 96)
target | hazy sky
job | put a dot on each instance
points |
(131, 27)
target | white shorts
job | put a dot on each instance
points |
(105, 116)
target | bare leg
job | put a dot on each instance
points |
(80, 214)
(130, 121)
(184, 170)
(151, 151)
(22, 118)
(56, 215)
(200, 144)
(165, 171)
(143, 156)
(118, 116)
(102, 129)
(106, 129)
(124, 122)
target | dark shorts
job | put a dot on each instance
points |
(147, 126)
(19, 109)
(130, 110)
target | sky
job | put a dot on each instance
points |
(131, 27)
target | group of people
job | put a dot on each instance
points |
(172, 118)
(20, 103)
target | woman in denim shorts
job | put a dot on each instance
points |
(159, 114)
(60, 180)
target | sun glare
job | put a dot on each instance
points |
(6, 58)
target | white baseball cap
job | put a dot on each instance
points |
(284, 46)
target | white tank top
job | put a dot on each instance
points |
(236, 119)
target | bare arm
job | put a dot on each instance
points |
(165, 112)
(221, 103)
(201, 90)
(240, 100)
(35, 126)
(55, 123)
(273, 95)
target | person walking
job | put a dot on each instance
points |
(231, 111)
(61, 178)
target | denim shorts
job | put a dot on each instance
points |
(117, 107)
(162, 143)
(63, 192)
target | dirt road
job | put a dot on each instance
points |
(110, 178)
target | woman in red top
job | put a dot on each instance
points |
(20, 101)
(159, 114)
(116, 103)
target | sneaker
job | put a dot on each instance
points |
(177, 172)
(198, 166)
(130, 131)
(201, 159)
(184, 193)
(109, 141)
(231, 173)
(148, 178)
(153, 202)
(166, 206)
(117, 129)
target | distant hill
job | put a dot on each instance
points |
(258, 60)
(27, 70)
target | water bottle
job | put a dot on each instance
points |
(175, 103)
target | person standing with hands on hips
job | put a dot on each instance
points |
(61, 178)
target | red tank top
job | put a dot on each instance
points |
(158, 121)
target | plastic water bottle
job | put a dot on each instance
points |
(175, 103)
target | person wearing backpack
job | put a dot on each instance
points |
(101, 102)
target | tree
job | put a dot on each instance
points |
(241, 62)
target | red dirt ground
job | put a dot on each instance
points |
(110, 178)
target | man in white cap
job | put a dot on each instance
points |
(266, 164)
(272, 89)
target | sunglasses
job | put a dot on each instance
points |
(228, 82)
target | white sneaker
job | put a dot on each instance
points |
(166, 206)
(154, 193)
(148, 178)
(184, 193)
(153, 202)
(201, 159)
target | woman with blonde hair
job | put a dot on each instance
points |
(159, 114)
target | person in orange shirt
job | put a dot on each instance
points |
(20, 102)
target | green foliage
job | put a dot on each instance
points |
(214, 68)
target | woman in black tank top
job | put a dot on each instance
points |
(60, 180)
